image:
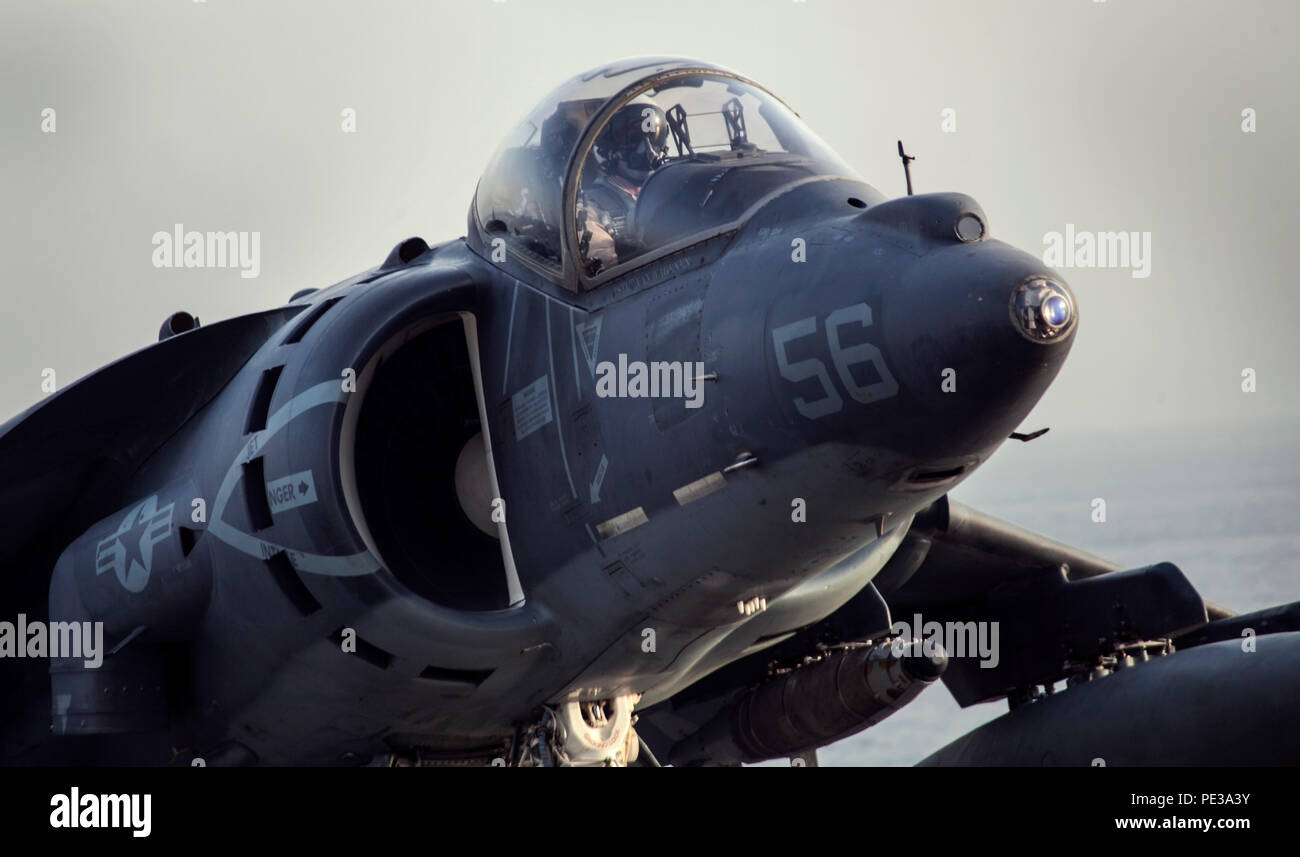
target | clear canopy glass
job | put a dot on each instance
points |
(672, 151)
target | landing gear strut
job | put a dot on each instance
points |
(583, 734)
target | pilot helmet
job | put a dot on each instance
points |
(634, 142)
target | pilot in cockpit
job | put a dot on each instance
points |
(632, 146)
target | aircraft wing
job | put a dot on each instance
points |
(1055, 606)
(56, 457)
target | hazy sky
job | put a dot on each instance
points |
(226, 115)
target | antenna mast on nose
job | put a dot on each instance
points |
(907, 170)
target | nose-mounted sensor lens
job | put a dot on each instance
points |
(1056, 311)
(1043, 309)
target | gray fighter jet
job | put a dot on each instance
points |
(650, 467)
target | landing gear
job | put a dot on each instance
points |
(583, 734)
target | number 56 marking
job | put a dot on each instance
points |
(843, 358)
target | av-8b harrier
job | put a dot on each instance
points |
(650, 467)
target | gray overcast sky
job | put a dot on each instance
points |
(225, 115)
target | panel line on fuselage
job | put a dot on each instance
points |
(559, 415)
(510, 332)
(573, 344)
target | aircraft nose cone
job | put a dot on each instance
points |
(972, 370)
(1043, 310)
(1001, 306)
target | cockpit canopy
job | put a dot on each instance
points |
(633, 161)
